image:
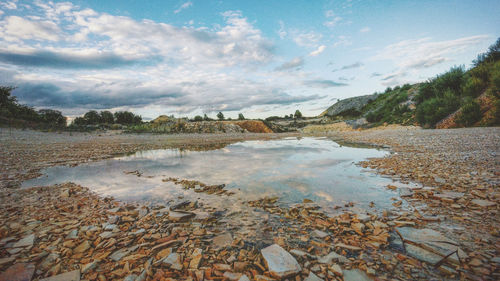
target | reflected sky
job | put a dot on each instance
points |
(293, 169)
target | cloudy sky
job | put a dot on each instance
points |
(260, 58)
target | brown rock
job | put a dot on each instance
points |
(18, 272)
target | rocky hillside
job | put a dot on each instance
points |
(349, 106)
(169, 125)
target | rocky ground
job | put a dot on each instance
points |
(65, 232)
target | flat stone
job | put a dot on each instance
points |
(180, 216)
(363, 217)
(18, 272)
(405, 192)
(47, 263)
(232, 276)
(130, 277)
(319, 233)
(356, 275)
(280, 263)
(174, 260)
(73, 234)
(431, 241)
(26, 241)
(222, 240)
(298, 253)
(332, 256)
(452, 195)
(84, 246)
(118, 255)
(244, 278)
(483, 203)
(337, 270)
(108, 234)
(312, 277)
(89, 266)
(195, 258)
(68, 276)
(348, 247)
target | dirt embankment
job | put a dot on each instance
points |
(253, 126)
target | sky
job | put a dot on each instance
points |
(260, 58)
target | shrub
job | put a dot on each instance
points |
(198, 118)
(220, 116)
(470, 114)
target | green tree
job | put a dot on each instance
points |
(220, 116)
(107, 117)
(127, 118)
(198, 118)
(298, 114)
(206, 118)
(92, 118)
(52, 117)
(241, 117)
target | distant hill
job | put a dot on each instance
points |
(457, 98)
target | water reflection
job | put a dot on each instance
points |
(293, 169)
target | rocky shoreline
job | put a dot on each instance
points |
(66, 229)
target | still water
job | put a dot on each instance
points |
(293, 169)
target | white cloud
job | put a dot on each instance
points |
(295, 63)
(183, 7)
(306, 39)
(14, 28)
(342, 41)
(9, 5)
(83, 59)
(414, 54)
(365, 29)
(331, 19)
(317, 51)
(410, 56)
(282, 32)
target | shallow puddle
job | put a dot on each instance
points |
(292, 169)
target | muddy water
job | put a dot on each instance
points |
(292, 169)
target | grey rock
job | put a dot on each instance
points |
(174, 260)
(280, 263)
(332, 256)
(26, 241)
(73, 234)
(222, 240)
(356, 275)
(312, 277)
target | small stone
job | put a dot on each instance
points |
(84, 246)
(348, 247)
(222, 267)
(47, 263)
(64, 193)
(89, 266)
(243, 278)
(174, 260)
(483, 203)
(319, 234)
(312, 277)
(222, 241)
(337, 270)
(332, 256)
(73, 234)
(232, 276)
(68, 276)
(180, 216)
(356, 275)
(279, 262)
